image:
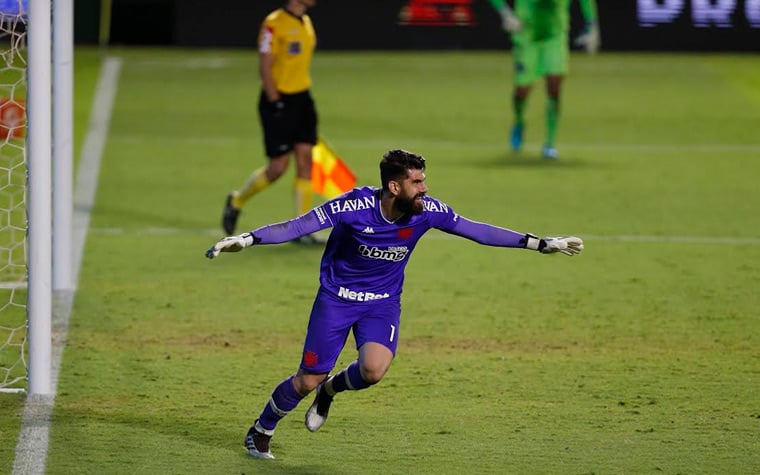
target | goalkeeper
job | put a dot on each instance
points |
(539, 30)
(374, 231)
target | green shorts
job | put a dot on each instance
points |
(536, 59)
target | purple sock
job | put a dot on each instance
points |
(350, 379)
(284, 399)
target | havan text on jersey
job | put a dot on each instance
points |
(341, 206)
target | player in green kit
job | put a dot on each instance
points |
(539, 30)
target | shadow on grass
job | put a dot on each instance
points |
(528, 160)
(273, 467)
(226, 452)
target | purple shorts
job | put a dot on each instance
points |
(333, 317)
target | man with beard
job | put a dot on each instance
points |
(361, 278)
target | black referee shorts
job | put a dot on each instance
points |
(295, 123)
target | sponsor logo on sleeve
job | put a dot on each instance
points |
(321, 216)
(267, 36)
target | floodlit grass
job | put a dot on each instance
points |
(639, 356)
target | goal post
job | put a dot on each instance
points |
(63, 144)
(13, 202)
(39, 205)
(36, 99)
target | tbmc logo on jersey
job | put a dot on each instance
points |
(393, 253)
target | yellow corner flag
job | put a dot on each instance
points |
(330, 176)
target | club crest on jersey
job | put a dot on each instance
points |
(405, 233)
(341, 206)
(393, 253)
(294, 47)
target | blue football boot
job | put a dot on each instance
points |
(516, 137)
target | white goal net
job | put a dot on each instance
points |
(13, 179)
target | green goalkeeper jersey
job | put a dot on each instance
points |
(544, 19)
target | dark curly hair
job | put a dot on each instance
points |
(396, 163)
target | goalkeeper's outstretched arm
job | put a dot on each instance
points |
(271, 234)
(491, 235)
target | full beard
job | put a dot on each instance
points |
(410, 206)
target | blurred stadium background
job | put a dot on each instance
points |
(629, 25)
(645, 361)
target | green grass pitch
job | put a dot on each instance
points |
(641, 355)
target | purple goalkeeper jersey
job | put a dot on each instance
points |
(366, 254)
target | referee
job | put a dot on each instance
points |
(286, 109)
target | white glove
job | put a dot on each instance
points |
(231, 244)
(569, 245)
(509, 21)
(589, 39)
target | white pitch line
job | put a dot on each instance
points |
(223, 140)
(32, 446)
(678, 239)
(641, 238)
